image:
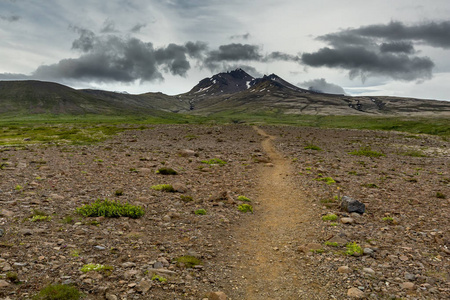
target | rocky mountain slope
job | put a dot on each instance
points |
(230, 92)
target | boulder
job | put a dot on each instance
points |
(351, 205)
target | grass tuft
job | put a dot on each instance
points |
(110, 209)
(367, 151)
(163, 187)
(58, 292)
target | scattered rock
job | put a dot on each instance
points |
(368, 251)
(179, 187)
(355, 293)
(110, 296)
(369, 271)
(187, 153)
(144, 286)
(351, 205)
(347, 220)
(407, 285)
(217, 296)
(344, 270)
(3, 284)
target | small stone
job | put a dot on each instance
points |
(410, 277)
(6, 213)
(166, 218)
(340, 241)
(3, 284)
(128, 265)
(355, 293)
(369, 271)
(347, 220)
(186, 153)
(344, 270)
(407, 285)
(27, 232)
(217, 296)
(158, 265)
(99, 247)
(180, 187)
(130, 273)
(403, 258)
(368, 251)
(144, 286)
(110, 296)
(351, 205)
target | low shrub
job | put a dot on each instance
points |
(245, 208)
(110, 209)
(329, 217)
(243, 198)
(367, 151)
(189, 261)
(58, 292)
(163, 187)
(200, 211)
(214, 161)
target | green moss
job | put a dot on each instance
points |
(243, 198)
(186, 198)
(245, 208)
(58, 292)
(166, 171)
(331, 244)
(98, 268)
(367, 151)
(163, 187)
(189, 261)
(440, 195)
(353, 249)
(327, 180)
(110, 209)
(200, 211)
(311, 146)
(330, 217)
(214, 161)
(159, 278)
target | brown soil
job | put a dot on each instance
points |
(278, 252)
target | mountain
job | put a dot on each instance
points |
(234, 92)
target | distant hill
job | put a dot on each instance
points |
(229, 92)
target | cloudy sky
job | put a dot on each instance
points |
(382, 47)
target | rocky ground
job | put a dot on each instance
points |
(404, 232)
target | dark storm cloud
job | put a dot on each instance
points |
(398, 47)
(321, 85)
(11, 18)
(386, 50)
(435, 34)
(364, 63)
(234, 52)
(281, 56)
(113, 58)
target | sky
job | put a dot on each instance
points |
(380, 47)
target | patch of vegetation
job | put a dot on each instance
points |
(118, 192)
(106, 269)
(370, 185)
(440, 195)
(311, 146)
(166, 171)
(163, 188)
(388, 219)
(333, 224)
(18, 187)
(329, 217)
(75, 253)
(159, 278)
(327, 180)
(319, 251)
(58, 292)
(353, 249)
(367, 151)
(245, 208)
(186, 198)
(414, 153)
(13, 277)
(331, 244)
(67, 220)
(110, 209)
(189, 261)
(38, 218)
(243, 198)
(200, 211)
(214, 161)
(190, 137)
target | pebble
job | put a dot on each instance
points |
(407, 285)
(369, 271)
(217, 296)
(355, 293)
(144, 286)
(347, 220)
(128, 265)
(344, 270)
(3, 284)
(110, 296)
(99, 247)
(368, 251)
(410, 277)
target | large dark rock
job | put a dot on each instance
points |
(351, 205)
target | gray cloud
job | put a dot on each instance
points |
(321, 85)
(397, 47)
(137, 28)
(277, 56)
(245, 36)
(109, 26)
(220, 59)
(11, 18)
(386, 50)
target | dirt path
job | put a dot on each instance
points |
(271, 266)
